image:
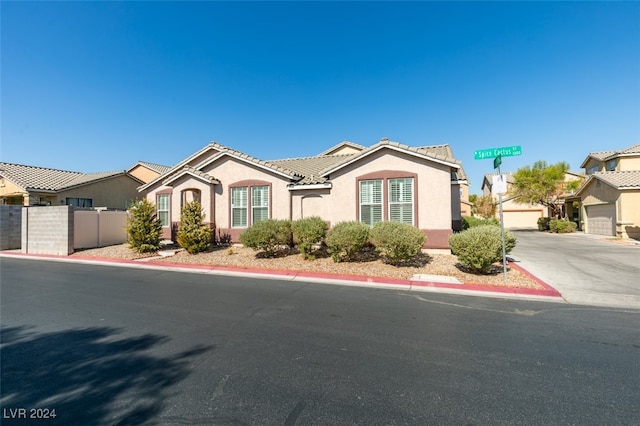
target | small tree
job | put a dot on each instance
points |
(485, 206)
(193, 235)
(143, 227)
(541, 184)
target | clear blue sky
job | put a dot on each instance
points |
(96, 86)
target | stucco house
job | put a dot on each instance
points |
(515, 215)
(610, 196)
(39, 186)
(385, 181)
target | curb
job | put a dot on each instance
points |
(548, 293)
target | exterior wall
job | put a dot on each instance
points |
(306, 203)
(114, 193)
(10, 227)
(96, 228)
(7, 187)
(144, 174)
(628, 163)
(628, 224)
(433, 201)
(47, 230)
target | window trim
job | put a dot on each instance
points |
(168, 209)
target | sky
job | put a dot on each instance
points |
(98, 86)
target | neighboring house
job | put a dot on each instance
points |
(514, 215)
(386, 181)
(610, 196)
(40, 186)
(147, 172)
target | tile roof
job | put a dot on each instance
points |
(623, 179)
(158, 168)
(45, 179)
(608, 155)
(311, 167)
(246, 157)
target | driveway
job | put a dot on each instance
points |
(585, 269)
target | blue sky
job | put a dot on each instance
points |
(96, 86)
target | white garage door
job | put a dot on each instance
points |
(521, 219)
(601, 219)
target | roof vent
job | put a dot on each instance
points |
(384, 139)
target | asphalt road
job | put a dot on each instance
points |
(586, 270)
(108, 345)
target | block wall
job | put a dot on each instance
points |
(47, 230)
(10, 227)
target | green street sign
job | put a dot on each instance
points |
(497, 161)
(506, 151)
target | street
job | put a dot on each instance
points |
(105, 345)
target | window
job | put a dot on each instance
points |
(259, 203)
(371, 201)
(592, 170)
(401, 200)
(79, 202)
(239, 207)
(611, 165)
(162, 204)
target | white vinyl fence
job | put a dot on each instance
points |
(98, 228)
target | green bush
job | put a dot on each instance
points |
(472, 222)
(561, 226)
(479, 247)
(270, 236)
(397, 241)
(193, 235)
(346, 239)
(307, 232)
(143, 227)
(543, 223)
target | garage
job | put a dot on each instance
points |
(515, 219)
(601, 219)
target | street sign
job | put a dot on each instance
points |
(506, 151)
(497, 161)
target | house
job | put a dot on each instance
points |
(610, 196)
(385, 181)
(146, 172)
(514, 215)
(39, 186)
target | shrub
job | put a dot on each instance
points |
(143, 227)
(270, 236)
(397, 241)
(307, 232)
(561, 226)
(346, 239)
(193, 235)
(472, 222)
(479, 247)
(543, 223)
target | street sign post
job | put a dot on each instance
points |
(506, 151)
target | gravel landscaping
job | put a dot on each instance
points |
(432, 263)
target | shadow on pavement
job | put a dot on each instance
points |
(89, 376)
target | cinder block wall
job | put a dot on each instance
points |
(10, 227)
(47, 230)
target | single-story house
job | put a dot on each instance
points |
(39, 186)
(385, 181)
(610, 196)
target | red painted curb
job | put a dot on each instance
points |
(547, 291)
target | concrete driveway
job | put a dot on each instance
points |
(585, 269)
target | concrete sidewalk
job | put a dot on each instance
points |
(434, 284)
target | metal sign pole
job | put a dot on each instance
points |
(504, 251)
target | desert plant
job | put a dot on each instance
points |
(472, 221)
(397, 241)
(269, 235)
(193, 235)
(561, 226)
(143, 227)
(307, 232)
(479, 247)
(543, 223)
(346, 239)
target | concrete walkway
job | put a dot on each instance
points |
(586, 269)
